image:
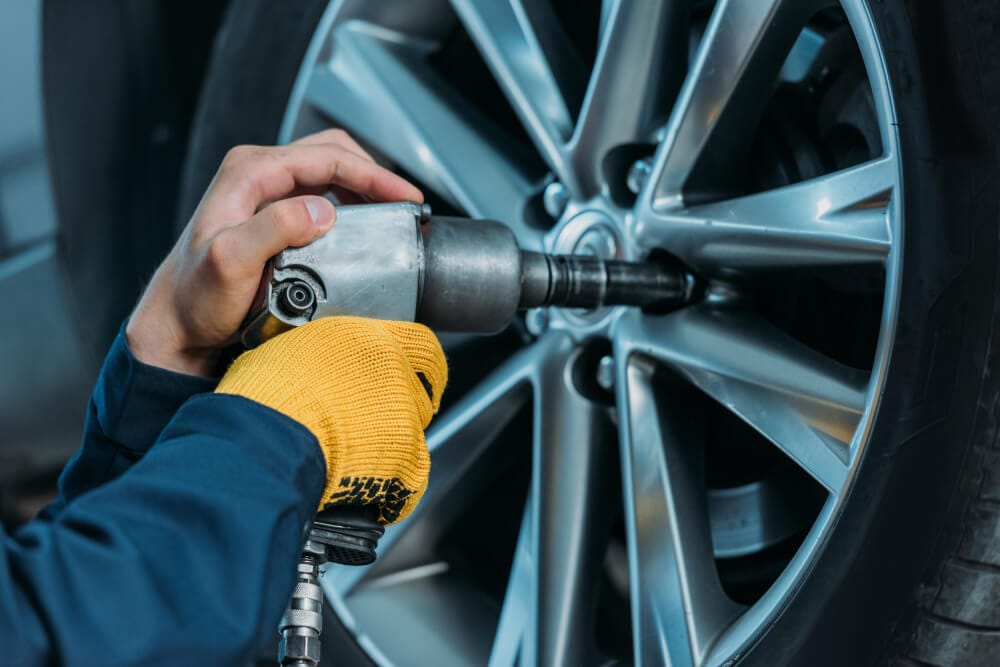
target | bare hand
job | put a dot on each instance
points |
(261, 201)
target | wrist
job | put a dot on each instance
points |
(157, 344)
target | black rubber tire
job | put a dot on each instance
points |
(909, 576)
(911, 572)
(121, 81)
(245, 104)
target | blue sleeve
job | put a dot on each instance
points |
(131, 404)
(186, 559)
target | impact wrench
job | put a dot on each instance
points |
(397, 262)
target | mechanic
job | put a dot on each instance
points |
(178, 525)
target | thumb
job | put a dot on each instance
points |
(292, 222)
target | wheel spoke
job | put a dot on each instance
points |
(571, 514)
(678, 606)
(725, 91)
(607, 7)
(639, 67)
(536, 66)
(385, 94)
(840, 218)
(516, 610)
(805, 403)
(462, 446)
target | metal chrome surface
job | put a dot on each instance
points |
(397, 262)
(368, 73)
(302, 623)
(367, 265)
(472, 275)
(370, 245)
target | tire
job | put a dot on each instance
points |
(914, 557)
(910, 574)
(119, 93)
(273, 39)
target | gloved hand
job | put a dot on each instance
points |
(366, 389)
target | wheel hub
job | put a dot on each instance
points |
(591, 232)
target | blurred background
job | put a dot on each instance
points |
(96, 105)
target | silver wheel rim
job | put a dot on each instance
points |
(363, 72)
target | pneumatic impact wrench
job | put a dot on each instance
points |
(397, 262)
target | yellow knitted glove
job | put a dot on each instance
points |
(366, 389)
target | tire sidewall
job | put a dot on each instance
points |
(855, 607)
(257, 56)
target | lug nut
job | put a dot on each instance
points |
(554, 198)
(536, 321)
(606, 372)
(638, 174)
(425, 212)
(722, 293)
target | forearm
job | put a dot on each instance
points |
(131, 404)
(190, 555)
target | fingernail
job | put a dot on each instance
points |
(321, 212)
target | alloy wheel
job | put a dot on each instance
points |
(639, 154)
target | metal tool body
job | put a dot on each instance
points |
(396, 262)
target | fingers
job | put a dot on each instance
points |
(245, 248)
(331, 161)
(251, 176)
(343, 139)
(427, 359)
(338, 137)
(346, 196)
(422, 467)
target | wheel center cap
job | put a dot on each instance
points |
(589, 233)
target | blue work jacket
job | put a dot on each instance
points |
(176, 531)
